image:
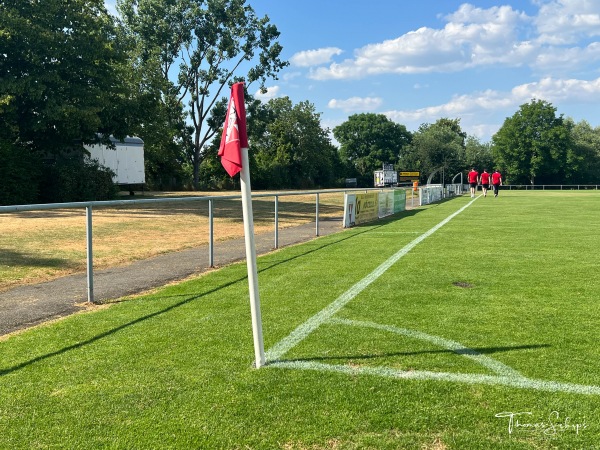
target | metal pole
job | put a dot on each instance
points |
(211, 250)
(276, 221)
(90, 257)
(317, 217)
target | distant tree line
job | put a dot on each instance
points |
(71, 74)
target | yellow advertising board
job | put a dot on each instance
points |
(409, 176)
(367, 208)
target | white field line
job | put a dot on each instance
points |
(517, 382)
(456, 347)
(301, 333)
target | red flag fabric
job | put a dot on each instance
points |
(235, 136)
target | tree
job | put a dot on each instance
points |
(583, 159)
(478, 154)
(294, 151)
(367, 141)
(288, 148)
(212, 40)
(63, 83)
(436, 148)
(63, 74)
(532, 145)
(156, 45)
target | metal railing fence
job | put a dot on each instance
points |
(552, 187)
(91, 205)
(546, 187)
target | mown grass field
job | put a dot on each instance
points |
(427, 331)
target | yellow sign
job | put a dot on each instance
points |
(367, 207)
(409, 174)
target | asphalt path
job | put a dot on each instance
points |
(29, 305)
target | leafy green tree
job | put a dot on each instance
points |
(63, 74)
(63, 82)
(367, 141)
(294, 151)
(76, 180)
(19, 175)
(212, 41)
(532, 146)
(583, 159)
(437, 148)
(167, 138)
(478, 154)
(288, 148)
(156, 44)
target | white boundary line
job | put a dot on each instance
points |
(506, 375)
(456, 347)
(386, 372)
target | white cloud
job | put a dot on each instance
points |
(564, 21)
(356, 104)
(289, 76)
(554, 60)
(471, 108)
(477, 37)
(310, 58)
(272, 92)
(482, 131)
(560, 90)
(472, 37)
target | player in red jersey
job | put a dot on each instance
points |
(496, 181)
(473, 178)
(484, 180)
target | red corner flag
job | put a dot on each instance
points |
(234, 136)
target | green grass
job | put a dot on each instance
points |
(513, 278)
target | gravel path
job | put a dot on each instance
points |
(29, 305)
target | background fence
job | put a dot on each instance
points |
(275, 211)
(543, 187)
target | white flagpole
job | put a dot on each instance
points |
(259, 350)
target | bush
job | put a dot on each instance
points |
(19, 175)
(74, 180)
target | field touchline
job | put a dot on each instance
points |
(302, 332)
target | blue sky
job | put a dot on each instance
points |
(422, 60)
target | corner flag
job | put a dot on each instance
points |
(235, 136)
(234, 158)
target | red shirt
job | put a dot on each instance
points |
(473, 176)
(496, 178)
(485, 178)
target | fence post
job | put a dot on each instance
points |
(90, 254)
(317, 216)
(211, 253)
(276, 221)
